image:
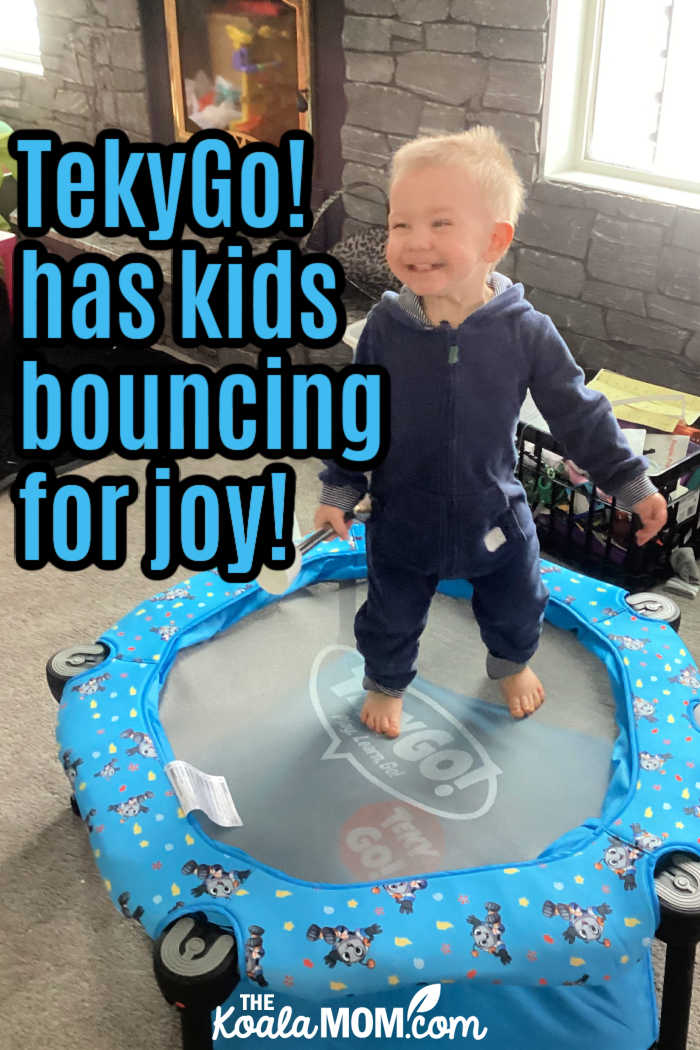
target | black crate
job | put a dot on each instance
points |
(584, 528)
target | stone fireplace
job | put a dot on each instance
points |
(619, 275)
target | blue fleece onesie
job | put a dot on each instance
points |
(446, 502)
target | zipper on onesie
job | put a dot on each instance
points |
(452, 345)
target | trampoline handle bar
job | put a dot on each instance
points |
(314, 538)
(361, 511)
(278, 581)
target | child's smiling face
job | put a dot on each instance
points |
(440, 232)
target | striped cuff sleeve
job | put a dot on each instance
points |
(635, 490)
(343, 496)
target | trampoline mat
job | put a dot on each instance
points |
(273, 705)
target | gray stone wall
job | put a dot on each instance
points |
(94, 72)
(620, 276)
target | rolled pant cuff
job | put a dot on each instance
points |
(375, 687)
(498, 667)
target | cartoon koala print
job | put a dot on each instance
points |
(689, 677)
(347, 946)
(92, 685)
(488, 933)
(172, 595)
(404, 893)
(621, 859)
(643, 709)
(652, 762)
(132, 807)
(143, 745)
(644, 840)
(624, 641)
(70, 767)
(123, 902)
(166, 631)
(254, 952)
(214, 880)
(108, 770)
(587, 924)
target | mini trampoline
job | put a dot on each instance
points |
(509, 863)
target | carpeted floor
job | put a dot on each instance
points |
(73, 973)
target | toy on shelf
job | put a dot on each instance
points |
(212, 104)
(254, 51)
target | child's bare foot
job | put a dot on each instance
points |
(382, 713)
(523, 691)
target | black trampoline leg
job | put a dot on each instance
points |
(196, 965)
(196, 1029)
(677, 994)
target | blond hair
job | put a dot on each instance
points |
(484, 155)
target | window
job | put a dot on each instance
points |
(622, 95)
(19, 37)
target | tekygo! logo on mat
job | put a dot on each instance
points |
(436, 763)
(345, 1022)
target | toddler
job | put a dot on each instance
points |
(462, 345)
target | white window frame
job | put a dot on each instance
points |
(573, 47)
(22, 61)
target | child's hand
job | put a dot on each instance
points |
(334, 517)
(653, 512)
